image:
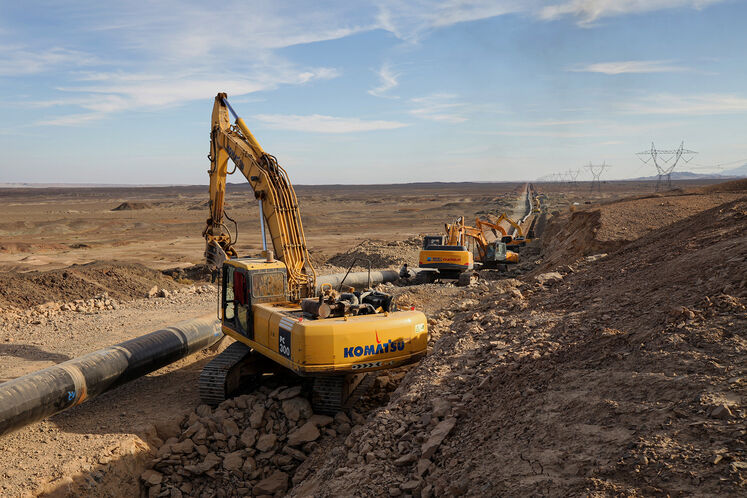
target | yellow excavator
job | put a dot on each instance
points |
(514, 240)
(271, 305)
(452, 256)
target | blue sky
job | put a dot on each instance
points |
(382, 91)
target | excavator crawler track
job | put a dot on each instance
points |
(222, 375)
(333, 394)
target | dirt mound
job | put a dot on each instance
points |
(611, 226)
(570, 237)
(22, 247)
(380, 254)
(622, 376)
(120, 281)
(189, 274)
(730, 186)
(129, 206)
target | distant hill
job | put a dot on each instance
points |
(740, 171)
(688, 175)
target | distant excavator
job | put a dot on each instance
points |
(452, 256)
(513, 240)
(271, 306)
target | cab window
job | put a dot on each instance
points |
(229, 306)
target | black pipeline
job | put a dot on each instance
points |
(359, 280)
(40, 394)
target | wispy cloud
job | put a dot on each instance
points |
(444, 107)
(112, 93)
(692, 105)
(569, 122)
(388, 80)
(20, 60)
(623, 67)
(589, 11)
(72, 119)
(317, 123)
(168, 53)
(412, 20)
(172, 54)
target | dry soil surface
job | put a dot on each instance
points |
(619, 374)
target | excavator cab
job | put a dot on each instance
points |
(247, 281)
(432, 240)
(497, 255)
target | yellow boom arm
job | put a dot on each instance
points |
(277, 199)
(496, 225)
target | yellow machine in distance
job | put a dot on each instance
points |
(446, 256)
(513, 240)
(451, 256)
(272, 307)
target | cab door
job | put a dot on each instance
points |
(237, 306)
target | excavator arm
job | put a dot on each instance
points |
(277, 199)
(496, 226)
(455, 232)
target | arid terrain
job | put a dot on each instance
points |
(610, 361)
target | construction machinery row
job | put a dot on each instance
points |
(463, 249)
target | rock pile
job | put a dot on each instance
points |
(380, 254)
(155, 291)
(248, 445)
(43, 312)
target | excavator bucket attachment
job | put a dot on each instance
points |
(214, 255)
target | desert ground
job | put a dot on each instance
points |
(610, 361)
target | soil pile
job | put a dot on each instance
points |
(380, 254)
(189, 274)
(569, 237)
(617, 375)
(129, 206)
(23, 247)
(731, 186)
(610, 226)
(121, 282)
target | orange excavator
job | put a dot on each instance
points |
(513, 240)
(452, 256)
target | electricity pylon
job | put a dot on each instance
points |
(665, 162)
(596, 173)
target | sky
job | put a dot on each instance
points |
(379, 91)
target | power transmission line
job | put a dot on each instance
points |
(665, 162)
(596, 173)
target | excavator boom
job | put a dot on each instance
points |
(496, 226)
(277, 199)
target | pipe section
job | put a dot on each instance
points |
(359, 280)
(40, 394)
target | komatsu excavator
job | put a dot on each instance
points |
(271, 305)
